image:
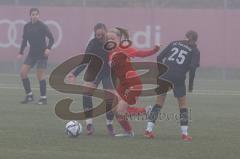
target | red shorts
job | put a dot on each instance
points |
(130, 87)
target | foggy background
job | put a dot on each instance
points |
(187, 4)
(149, 22)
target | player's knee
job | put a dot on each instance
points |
(23, 74)
(161, 99)
(41, 78)
(182, 102)
(182, 106)
(122, 107)
(89, 88)
(88, 91)
(121, 110)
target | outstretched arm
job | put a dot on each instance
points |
(145, 53)
(79, 69)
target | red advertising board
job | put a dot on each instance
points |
(73, 27)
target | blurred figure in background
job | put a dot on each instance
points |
(35, 33)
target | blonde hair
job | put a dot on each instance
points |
(120, 32)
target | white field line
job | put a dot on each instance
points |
(195, 92)
(34, 75)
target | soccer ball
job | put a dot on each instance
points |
(73, 128)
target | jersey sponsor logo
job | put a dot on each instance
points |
(12, 32)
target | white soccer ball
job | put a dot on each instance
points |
(73, 128)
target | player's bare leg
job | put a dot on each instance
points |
(87, 101)
(25, 69)
(153, 115)
(121, 112)
(182, 102)
(42, 85)
(131, 99)
(109, 114)
(87, 105)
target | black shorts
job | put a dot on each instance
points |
(41, 63)
(178, 81)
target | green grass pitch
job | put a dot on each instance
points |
(35, 132)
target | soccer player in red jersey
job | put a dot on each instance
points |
(120, 57)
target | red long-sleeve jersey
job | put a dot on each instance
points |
(124, 71)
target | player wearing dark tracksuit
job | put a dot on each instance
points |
(35, 33)
(95, 47)
(187, 61)
(180, 57)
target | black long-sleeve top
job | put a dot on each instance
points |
(181, 57)
(95, 47)
(35, 34)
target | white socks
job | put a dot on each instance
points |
(108, 122)
(89, 121)
(150, 126)
(184, 130)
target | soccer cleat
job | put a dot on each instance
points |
(149, 135)
(110, 129)
(27, 99)
(42, 101)
(186, 137)
(90, 129)
(126, 134)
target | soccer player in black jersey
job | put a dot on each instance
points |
(35, 33)
(180, 57)
(95, 47)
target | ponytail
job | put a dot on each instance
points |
(124, 38)
(192, 37)
(123, 33)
